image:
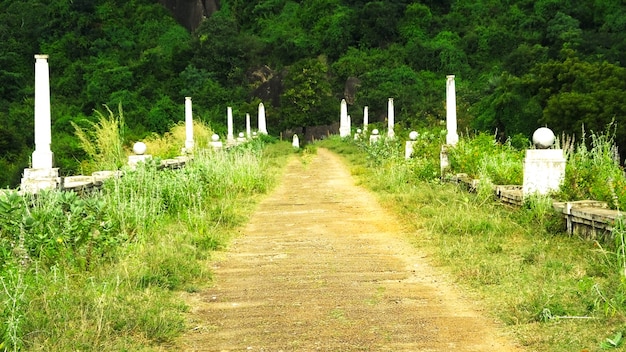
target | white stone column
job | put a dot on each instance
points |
(262, 122)
(42, 175)
(42, 156)
(189, 143)
(390, 119)
(452, 137)
(344, 127)
(230, 135)
(365, 118)
(248, 127)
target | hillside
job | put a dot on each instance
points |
(519, 65)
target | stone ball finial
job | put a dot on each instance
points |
(140, 148)
(413, 135)
(375, 131)
(215, 137)
(543, 138)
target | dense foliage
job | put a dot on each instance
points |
(519, 64)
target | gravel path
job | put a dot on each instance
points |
(322, 267)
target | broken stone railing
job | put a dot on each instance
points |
(82, 184)
(588, 218)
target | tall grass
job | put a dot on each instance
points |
(101, 272)
(553, 291)
(103, 141)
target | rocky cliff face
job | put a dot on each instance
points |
(190, 13)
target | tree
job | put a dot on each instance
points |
(307, 98)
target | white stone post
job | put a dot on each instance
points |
(452, 137)
(248, 127)
(344, 124)
(42, 175)
(215, 142)
(262, 122)
(295, 141)
(374, 137)
(189, 143)
(365, 118)
(544, 168)
(230, 135)
(42, 156)
(390, 119)
(408, 147)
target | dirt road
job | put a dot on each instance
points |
(322, 267)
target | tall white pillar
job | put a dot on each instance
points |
(42, 156)
(390, 119)
(451, 137)
(344, 124)
(188, 125)
(42, 175)
(365, 118)
(230, 136)
(248, 127)
(262, 122)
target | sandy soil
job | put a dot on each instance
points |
(322, 267)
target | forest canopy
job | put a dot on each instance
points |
(519, 65)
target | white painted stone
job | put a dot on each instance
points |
(295, 142)
(444, 161)
(543, 138)
(544, 170)
(262, 122)
(248, 127)
(140, 148)
(365, 118)
(215, 141)
(408, 146)
(230, 136)
(374, 137)
(42, 157)
(344, 124)
(452, 137)
(134, 160)
(391, 117)
(241, 138)
(189, 143)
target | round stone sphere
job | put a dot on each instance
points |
(358, 130)
(139, 148)
(413, 135)
(215, 137)
(240, 134)
(375, 131)
(543, 138)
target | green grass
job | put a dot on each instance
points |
(553, 291)
(104, 272)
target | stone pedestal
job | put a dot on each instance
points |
(408, 149)
(35, 180)
(444, 161)
(133, 160)
(374, 137)
(544, 170)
